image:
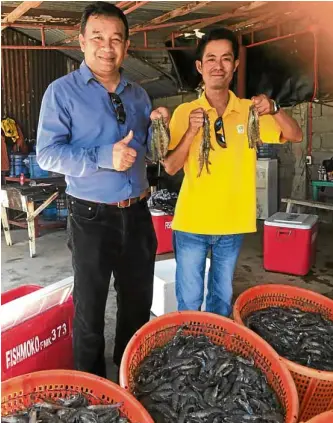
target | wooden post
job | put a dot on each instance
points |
(5, 225)
(31, 228)
(46, 203)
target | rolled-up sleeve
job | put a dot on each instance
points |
(54, 150)
(104, 156)
(270, 132)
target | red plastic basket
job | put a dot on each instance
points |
(323, 418)
(221, 331)
(16, 392)
(315, 387)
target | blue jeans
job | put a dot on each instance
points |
(191, 252)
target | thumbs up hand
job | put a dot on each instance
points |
(123, 155)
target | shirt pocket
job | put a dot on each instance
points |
(138, 122)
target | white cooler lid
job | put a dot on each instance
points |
(35, 303)
(155, 212)
(292, 220)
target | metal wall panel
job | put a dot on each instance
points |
(25, 75)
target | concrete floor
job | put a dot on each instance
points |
(53, 263)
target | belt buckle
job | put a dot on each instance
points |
(124, 207)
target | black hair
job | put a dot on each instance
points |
(217, 34)
(103, 8)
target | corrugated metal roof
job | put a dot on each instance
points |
(51, 35)
(25, 75)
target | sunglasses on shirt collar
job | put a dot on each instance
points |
(219, 132)
(118, 107)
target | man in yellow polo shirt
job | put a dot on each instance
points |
(215, 210)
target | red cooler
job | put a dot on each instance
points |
(290, 243)
(162, 224)
(36, 329)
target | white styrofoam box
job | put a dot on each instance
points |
(164, 298)
(30, 305)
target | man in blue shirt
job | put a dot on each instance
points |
(94, 128)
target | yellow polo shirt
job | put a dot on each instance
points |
(224, 201)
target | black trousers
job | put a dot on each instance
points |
(105, 239)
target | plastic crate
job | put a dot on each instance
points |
(315, 387)
(16, 393)
(221, 331)
(36, 329)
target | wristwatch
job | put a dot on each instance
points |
(276, 108)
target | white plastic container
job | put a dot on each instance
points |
(164, 298)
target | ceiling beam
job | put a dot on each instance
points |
(135, 6)
(279, 38)
(276, 20)
(239, 11)
(132, 7)
(123, 4)
(179, 11)
(261, 19)
(39, 25)
(168, 25)
(47, 14)
(18, 12)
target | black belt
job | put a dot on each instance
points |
(120, 204)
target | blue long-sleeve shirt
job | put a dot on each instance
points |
(78, 128)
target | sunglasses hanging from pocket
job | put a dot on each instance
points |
(118, 107)
(219, 132)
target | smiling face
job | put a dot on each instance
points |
(104, 44)
(218, 64)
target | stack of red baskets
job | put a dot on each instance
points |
(315, 387)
